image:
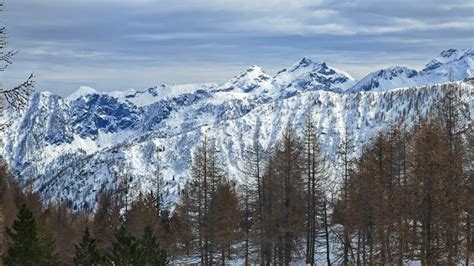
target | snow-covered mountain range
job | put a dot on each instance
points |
(73, 147)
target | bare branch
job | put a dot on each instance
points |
(18, 97)
(6, 58)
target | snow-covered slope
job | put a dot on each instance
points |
(73, 147)
(450, 65)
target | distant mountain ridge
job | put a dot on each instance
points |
(72, 147)
(309, 74)
(450, 65)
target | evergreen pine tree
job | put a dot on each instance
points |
(27, 246)
(87, 252)
(126, 249)
(49, 256)
(152, 253)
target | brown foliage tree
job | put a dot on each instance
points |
(405, 200)
(283, 200)
(199, 191)
(106, 221)
(225, 211)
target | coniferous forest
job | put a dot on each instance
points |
(407, 197)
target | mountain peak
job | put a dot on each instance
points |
(448, 53)
(449, 56)
(395, 71)
(248, 80)
(251, 73)
(456, 53)
(254, 68)
(312, 74)
(449, 65)
(81, 91)
(386, 78)
(306, 62)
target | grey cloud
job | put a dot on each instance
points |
(117, 44)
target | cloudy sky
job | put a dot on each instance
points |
(122, 44)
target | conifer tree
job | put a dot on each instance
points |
(28, 246)
(126, 249)
(152, 253)
(49, 256)
(87, 252)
